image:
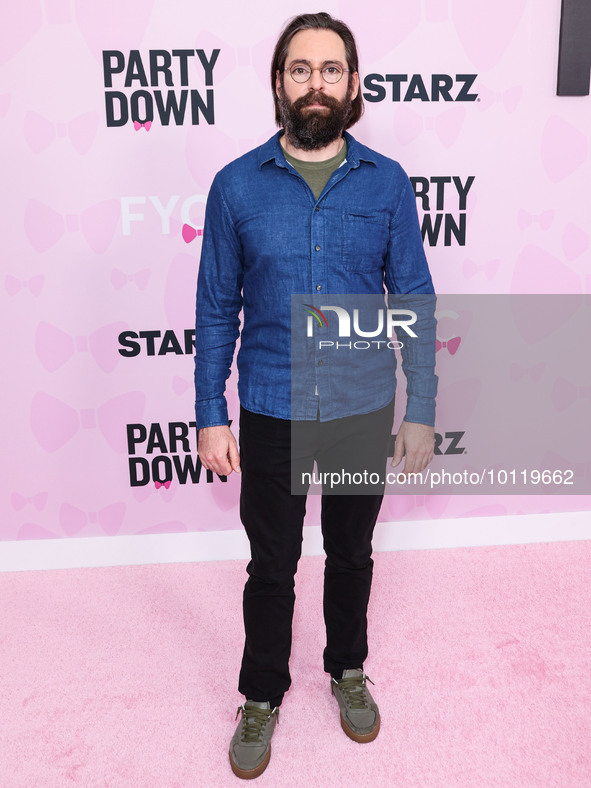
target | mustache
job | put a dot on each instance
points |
(316, 98)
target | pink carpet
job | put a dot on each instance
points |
(127, 676)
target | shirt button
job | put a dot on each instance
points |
(317, 248)
(321, 363)
(317, 208)
(318, 287)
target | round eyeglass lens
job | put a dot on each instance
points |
(301, 73)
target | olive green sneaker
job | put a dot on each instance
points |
(360, 718)
(250, 748)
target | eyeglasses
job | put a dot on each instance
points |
(301, 72)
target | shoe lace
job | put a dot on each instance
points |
(254, 721)
(354, 690)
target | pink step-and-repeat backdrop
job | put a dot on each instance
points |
(115, 117)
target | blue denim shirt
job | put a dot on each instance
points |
(265, 238)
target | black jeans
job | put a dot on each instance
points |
(273, 520)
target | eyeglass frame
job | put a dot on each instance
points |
(328, 64)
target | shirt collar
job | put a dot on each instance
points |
(356, 152)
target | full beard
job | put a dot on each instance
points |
(314, 128)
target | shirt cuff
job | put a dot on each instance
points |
(420, 410)
(211, 413)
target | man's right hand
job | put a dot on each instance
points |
(218, 450)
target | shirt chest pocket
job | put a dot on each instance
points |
(365, 239)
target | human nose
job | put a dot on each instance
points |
(316, 81)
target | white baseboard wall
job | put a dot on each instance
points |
(19, 556)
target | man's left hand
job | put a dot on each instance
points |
(415, 442)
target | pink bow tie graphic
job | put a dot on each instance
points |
(40, 132)
(565, 393)
(54, 423)
(119, 278)
(452, 345)
(190, 233)
(20, 501)
(489, 269)
(44, 227)
(109, 518)
(400, 505)
(575, 241)
(147, 125)
(447, 125)
(509, 98)
(525, 219)
(97, 23)
(33, 285)
(180, 385)
(54, 347)
(165, 484)
(516, 372)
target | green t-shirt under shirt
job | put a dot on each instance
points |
(317, 173)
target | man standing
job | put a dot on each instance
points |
(310, 211)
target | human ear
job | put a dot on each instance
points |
(354, 85)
